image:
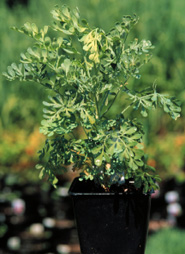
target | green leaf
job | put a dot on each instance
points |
(11, 71)
(60, 41)
(66, 12)
(132, 165)
(34, 28)
(138, 153)
(146, 187)
(39, 166)
(45, 29)
(96, 150)
(139, 163)
(47, 41)
(98, 160)
(139, 146)
(119, 147)
(54, 181)
(137, 136)
(66, 65)
(33, 52)
(91, 118)
(131, 130)
(41, 175)
(144, 112)
(138, 182)
(56, 14)
(111, 150)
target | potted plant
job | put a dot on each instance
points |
(85, 70)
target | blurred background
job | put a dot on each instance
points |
(35, 218)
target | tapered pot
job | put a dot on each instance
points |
(110, 223)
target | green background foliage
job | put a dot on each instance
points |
(166, 241)
(162, 22)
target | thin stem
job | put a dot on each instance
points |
(104, 100)
(114, 99)
(111, 103)
(122, 112)
(97, 107)
(56, 91)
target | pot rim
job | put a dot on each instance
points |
(72, 192)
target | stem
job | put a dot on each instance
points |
(111, 103)
(122, 112)
(97, 108)
(106, 95)
(56, 91)
(114, 99)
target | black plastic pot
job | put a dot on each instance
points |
(110, 223)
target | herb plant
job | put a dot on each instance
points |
(85, 70)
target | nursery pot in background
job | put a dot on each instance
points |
(110, 222)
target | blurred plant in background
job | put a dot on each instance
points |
(166, 241)
(162, 22)
(168, 153)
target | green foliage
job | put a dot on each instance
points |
(167, 152)
(166, 241)
(150, 98)
(85, 69)
(20, 105)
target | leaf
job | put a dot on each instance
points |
(138, 182)
(60, 41)
(66, 65)
(132, 165)
(175, 116)
(91, 118)
(47, 41)
(170, 105)
(39, 166)
(33, 52)
(45, 103)
(138, 153)
(107, 158)
(119, 147)
(23, 57)
(66, 11)
(146, 187)
(125, 154)
(54, 181)
(56, 14)
(11, 71)
(70, 51)
(139, 163)
(131, 130)
(46, 111)
(98, 160)
(44, 54)
(139, 146)
(144, 112)
(111, 150)
(45, 29)
(91, 41)
(41, 175)
(96, 150)
(34, 28)
(6, 75)
(136, 136)
(154, 97)
(166, 108)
